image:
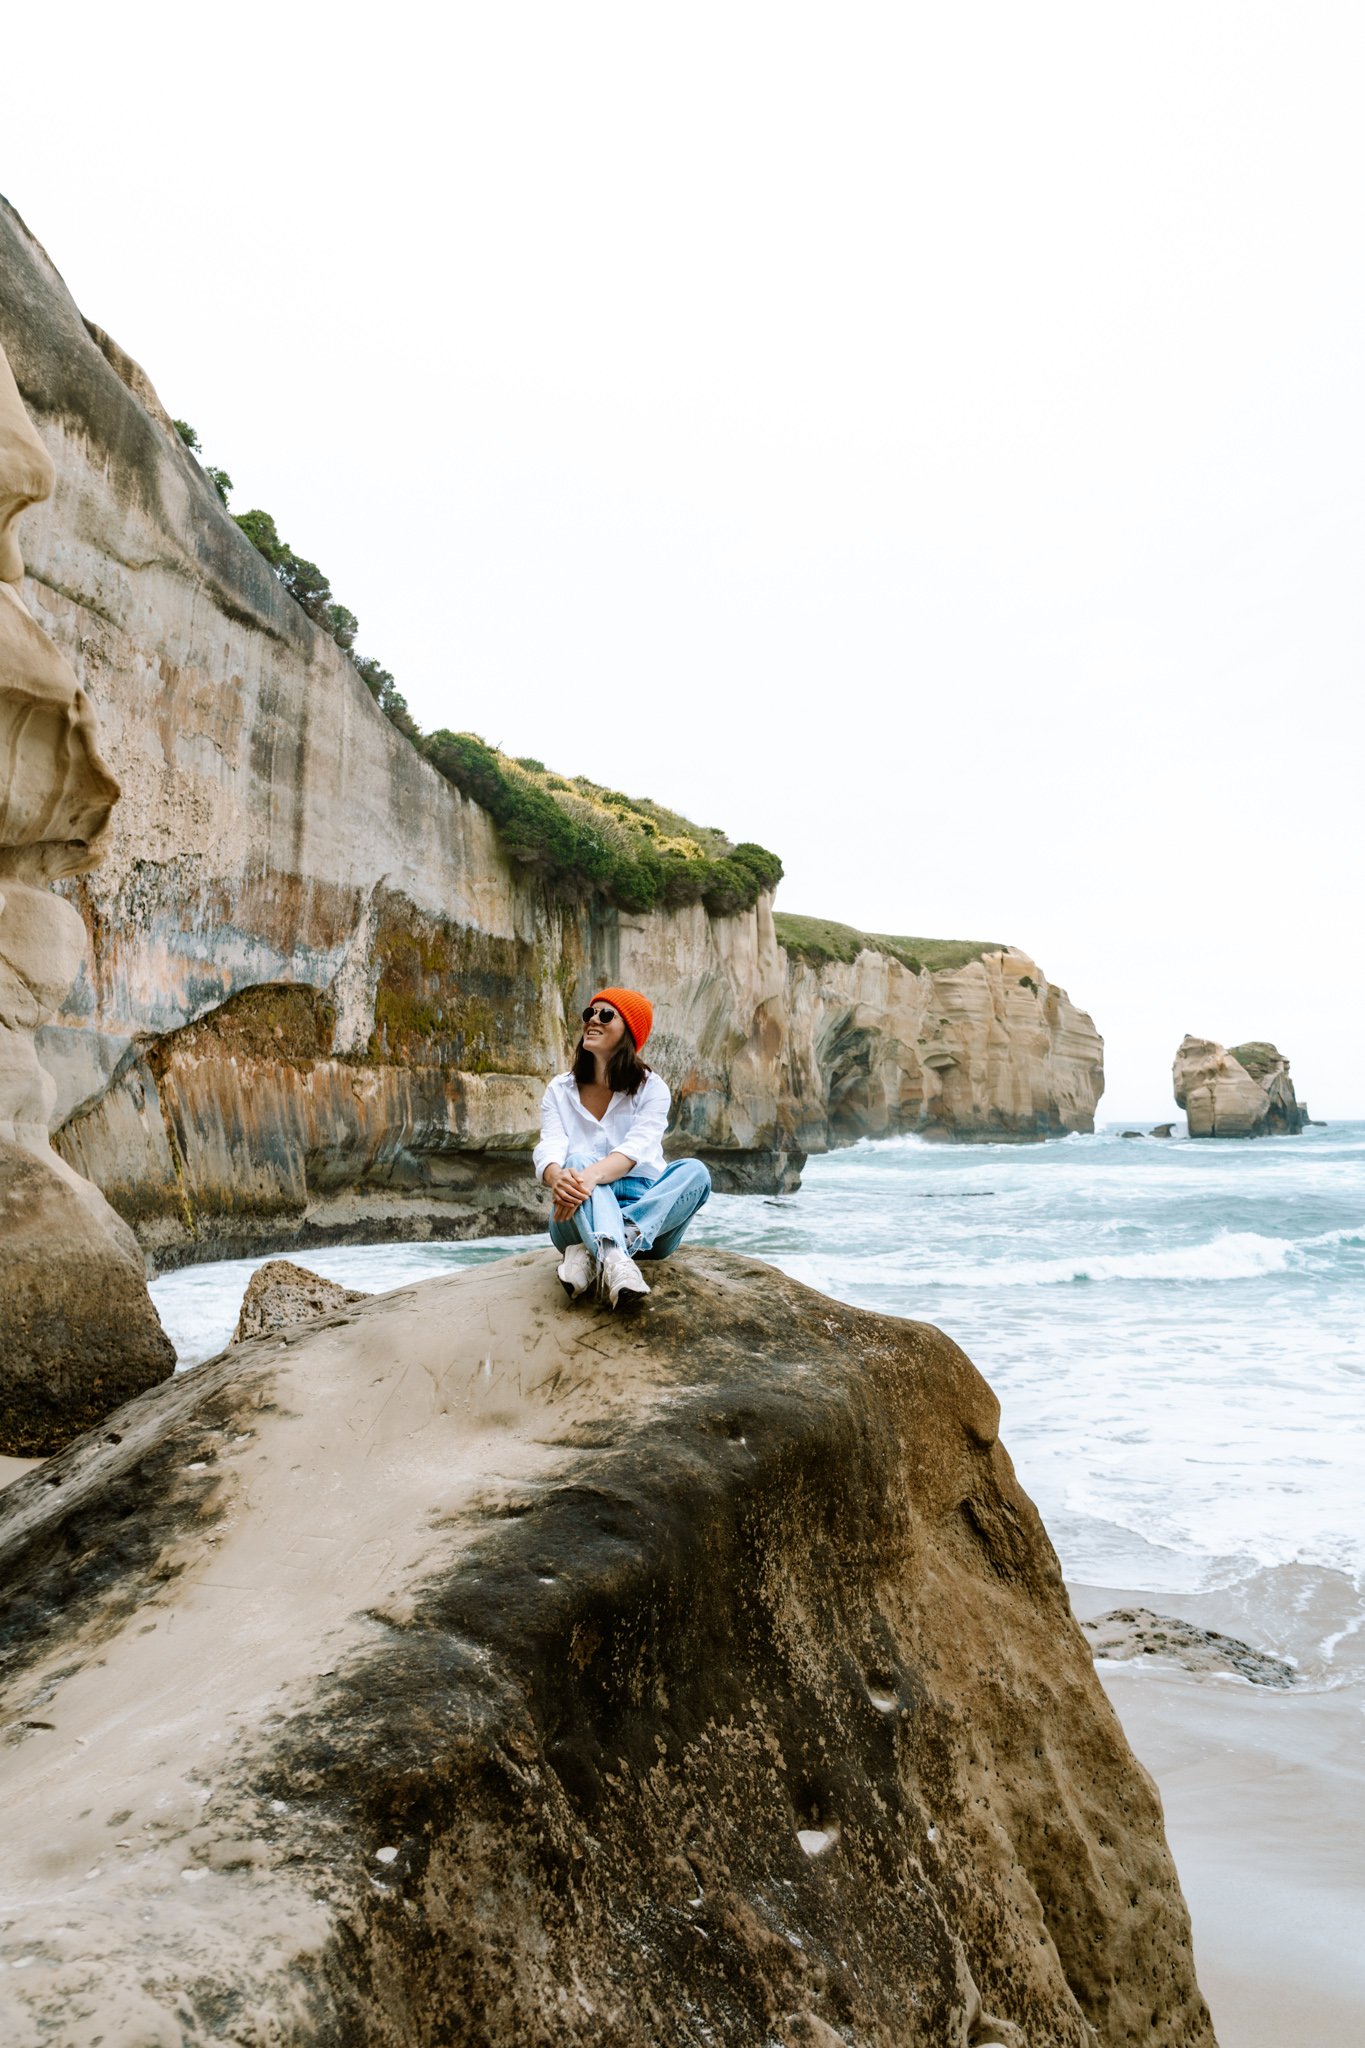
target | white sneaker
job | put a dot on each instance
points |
(576, 1270)
(620, 1278)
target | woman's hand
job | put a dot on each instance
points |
(571, 1190)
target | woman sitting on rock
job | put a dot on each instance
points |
(601, 1156)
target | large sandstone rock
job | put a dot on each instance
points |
(1265, 1063)
(1245, 1093)
(320, 1005)
(78, 1332)
(990, 1050)
(472, 1670)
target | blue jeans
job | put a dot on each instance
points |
(658, 1211)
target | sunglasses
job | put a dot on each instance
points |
(598, 1013)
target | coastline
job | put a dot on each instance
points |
(1263, 1790)
(1264, 1797)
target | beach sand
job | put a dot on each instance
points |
(1264, 1793)
(15, 1468)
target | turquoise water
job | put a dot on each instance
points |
(1176, 1330)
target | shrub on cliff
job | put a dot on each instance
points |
(380, 683)
(304, 581)
(579, 839)
(583, 841)
(219, 478)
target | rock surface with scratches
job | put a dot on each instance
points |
(467, 1668)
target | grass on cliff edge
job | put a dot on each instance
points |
(582, 840)
(819, 939)
(578, 839)
(1258, 1056)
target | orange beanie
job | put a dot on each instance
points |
(637, 1010)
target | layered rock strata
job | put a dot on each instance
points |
(1245, 1093)
(988, 1051)
(319, 1003)
(469, 1669)
(78, 1332)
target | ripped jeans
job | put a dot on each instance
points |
(647, 1218)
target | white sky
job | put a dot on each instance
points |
(927, 440)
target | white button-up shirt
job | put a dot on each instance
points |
(633, 1124)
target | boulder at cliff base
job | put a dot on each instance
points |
(470, 1669)
(78, 1332)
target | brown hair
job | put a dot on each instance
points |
(626, 1071)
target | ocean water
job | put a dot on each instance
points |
(1175, 1330)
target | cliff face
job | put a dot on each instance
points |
(466, 1669)
(319, 1002)
(1245, 1093)
(989, 1050)
(78, 1332)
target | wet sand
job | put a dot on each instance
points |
(1264, 1793)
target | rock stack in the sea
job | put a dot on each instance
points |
(78, 1332)
(465, 1670)
(365, 1058)
(1242, 1093)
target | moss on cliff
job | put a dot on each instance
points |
(821, 939)
(285, 1021)
(1258, 1056)
(449, 995)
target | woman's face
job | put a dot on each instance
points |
(603, 1038)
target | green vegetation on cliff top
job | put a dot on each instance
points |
(1258, 1056)
(578, 839)
(583, 840)
(818, 939)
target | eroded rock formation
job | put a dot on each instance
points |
(1245, 1093)
(472, 1670)
(319, 1003)
(78, 1333)
(989, 1050)
(281, 1295)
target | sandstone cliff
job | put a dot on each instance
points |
(1245, 1093)
(982, 1049)
(321, 1002)
(466, 1669)
(78, 1332)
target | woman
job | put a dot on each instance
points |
(601, 1156)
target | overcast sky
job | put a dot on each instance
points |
(927, 440)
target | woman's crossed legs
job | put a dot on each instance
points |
(645, 1219)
